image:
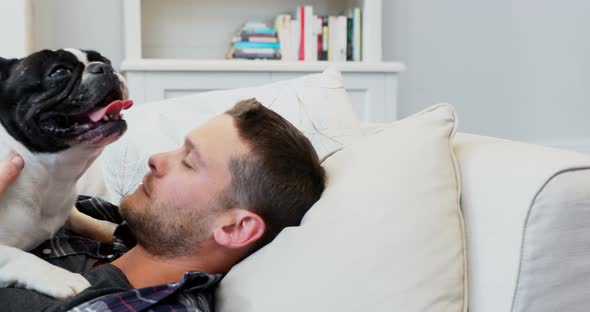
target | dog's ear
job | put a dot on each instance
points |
(5, 65)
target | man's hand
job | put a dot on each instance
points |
(10, 168)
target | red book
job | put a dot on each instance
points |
(302, 32)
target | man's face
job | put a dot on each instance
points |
(171, 213)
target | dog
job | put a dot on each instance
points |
(58, 109)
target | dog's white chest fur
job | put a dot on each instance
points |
(38, 203)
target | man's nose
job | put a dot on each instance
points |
(154, 163)
(98, 68)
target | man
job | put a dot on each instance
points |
(234, 184)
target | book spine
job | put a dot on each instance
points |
(310, 39)
(245, 44)
(283, 26)
(302, 33)
(257, 51)
(340, 53)
(295, 37)
(349, 40)
(259, 39)
(311, 53)
(260, 31)
(356, 37)
(320, 37)
(256, 56)
(331, 37)
(325, 35)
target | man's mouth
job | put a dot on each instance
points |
(73, 125)
(143, 185)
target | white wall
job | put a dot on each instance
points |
(14, 39)
(86, 24)
(517, 69)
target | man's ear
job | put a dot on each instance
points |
(238, 228)
(5, 65)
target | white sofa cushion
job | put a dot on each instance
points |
(554, 268)
(386, 235)
(317, 104)
(526, 217)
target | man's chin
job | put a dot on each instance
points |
(128, 202)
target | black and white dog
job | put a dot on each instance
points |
(58, 109)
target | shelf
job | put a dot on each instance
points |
(256, 66)
(184, 29)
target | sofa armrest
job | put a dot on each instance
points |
(527, 214)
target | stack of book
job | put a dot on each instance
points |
(255, 41)
(309, 37)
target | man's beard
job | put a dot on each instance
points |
(164, 235)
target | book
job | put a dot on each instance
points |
(283, 26)
(340, 42)
(257, 51)
(349, 40)
(325, 45)
(295, 39)
(337, 38)
(306, 41)
(301, 18)
(310, 40)
(257, 27)
(320, 45)
(245, 44)
(260, 31)
(316, 30)
(248, 56)
(356, 34)
(331, 37)
(258, 38)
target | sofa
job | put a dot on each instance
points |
(415, 216)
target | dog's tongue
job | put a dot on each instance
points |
(112, 109)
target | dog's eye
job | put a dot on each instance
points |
(59, 72)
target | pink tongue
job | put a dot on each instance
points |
(112, 109)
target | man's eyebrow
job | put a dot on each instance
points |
(194, 149)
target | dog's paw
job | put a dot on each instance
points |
(25, 270)
(59, 283)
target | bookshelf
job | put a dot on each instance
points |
(177, 47)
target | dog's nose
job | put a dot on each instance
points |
(98, 68)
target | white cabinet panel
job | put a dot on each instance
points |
(373, 94)
(155, 86)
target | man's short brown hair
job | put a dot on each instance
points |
(280, 178)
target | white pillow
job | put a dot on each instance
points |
(317, 104)
(386, 235)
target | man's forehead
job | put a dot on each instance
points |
(222, 124)
(218, 131)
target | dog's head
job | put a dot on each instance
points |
(53, 100)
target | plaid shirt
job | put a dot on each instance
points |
(192, 293)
